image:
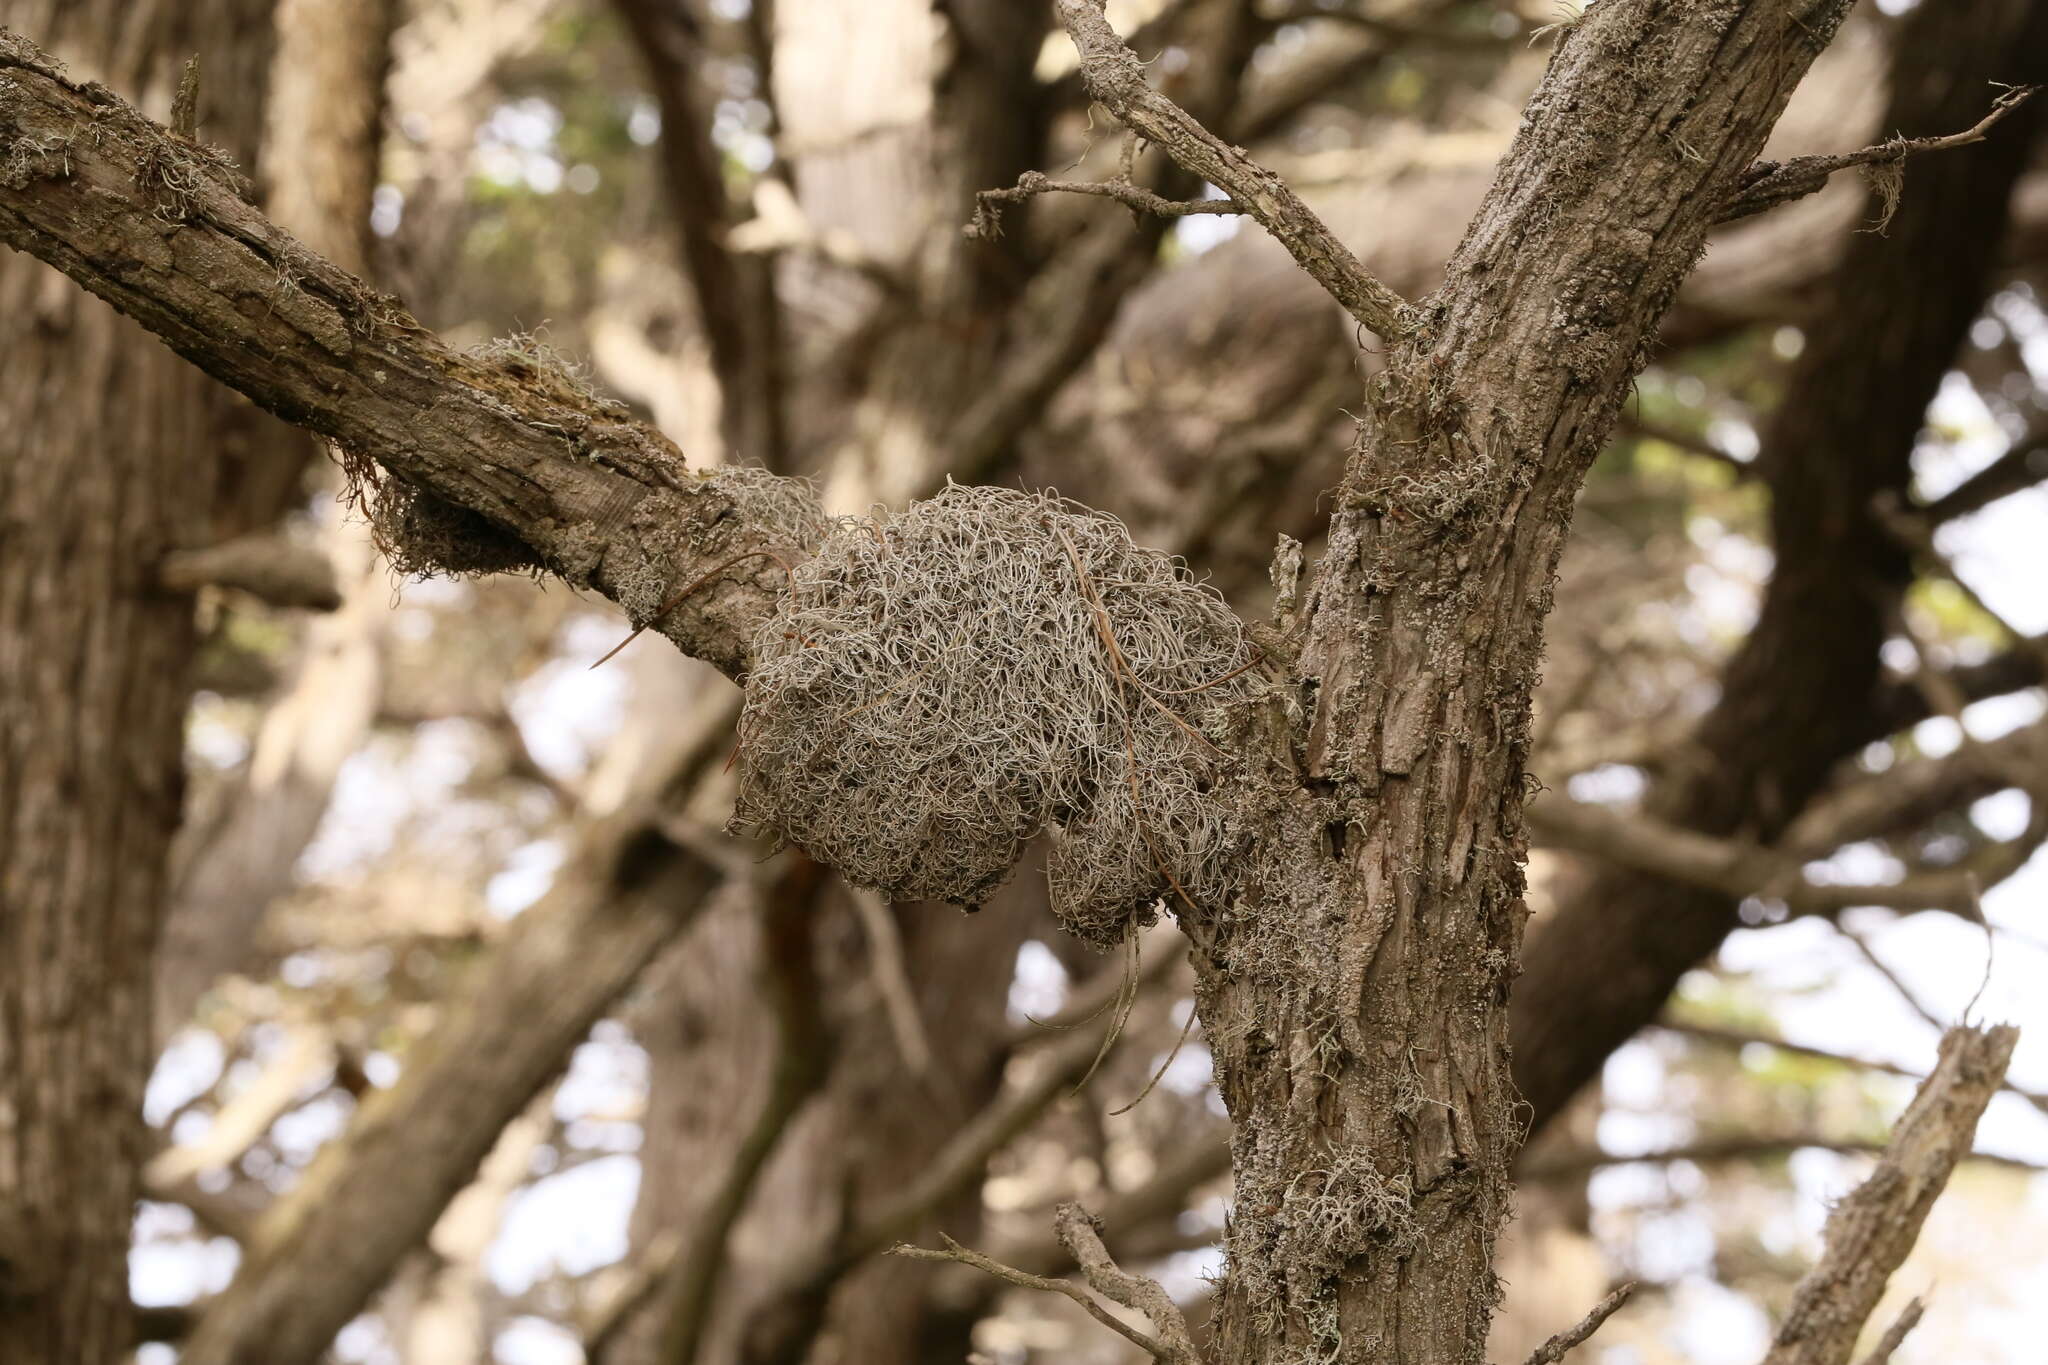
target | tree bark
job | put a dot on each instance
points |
(1356, 1001)
(1804, 692)
(111, 456)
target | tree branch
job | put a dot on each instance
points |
(1895, 1335)
(266, 566)
(1116, 79)
(1023, 1280)
(801, 1062)
(1869, 1233)
(320, 1253)
(988, 215)
(1082, 1238)
(1741, 1038)
(601, 499)
(1555, 1349)
(1767, 184)
(1642, 842)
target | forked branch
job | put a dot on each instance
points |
(1078, 1233)
(1116, 79)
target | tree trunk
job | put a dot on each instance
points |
(1356, 997)
(110, 455)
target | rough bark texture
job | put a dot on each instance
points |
(317, 1256)
(1804, 691)
(1356, 1000)
(111, 455)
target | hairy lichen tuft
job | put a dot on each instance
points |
(946, 683)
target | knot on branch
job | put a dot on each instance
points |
(947, 682)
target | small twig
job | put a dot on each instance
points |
(1023, 1280)
(675, 599)
(1883, 969)
(1767, 184)
(1895, 1335)
(1555, 1349)
(1082, 1237)
(988, 208)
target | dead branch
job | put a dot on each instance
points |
(1010, 1275)
(1555, 1349)
(988, 212)
(1767, 184)
(1116, 79)
(1869, 1233)
(1082, 1238)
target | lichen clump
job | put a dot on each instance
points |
(948, 682)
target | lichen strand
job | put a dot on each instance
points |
(948, 682)
(424, 536)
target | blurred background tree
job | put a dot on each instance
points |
(438, 1084)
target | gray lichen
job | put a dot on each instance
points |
(948, 682)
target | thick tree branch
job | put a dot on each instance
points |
(1869, 1233)
(595, 496)
(1116, 79)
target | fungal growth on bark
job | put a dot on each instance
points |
(947, 682)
